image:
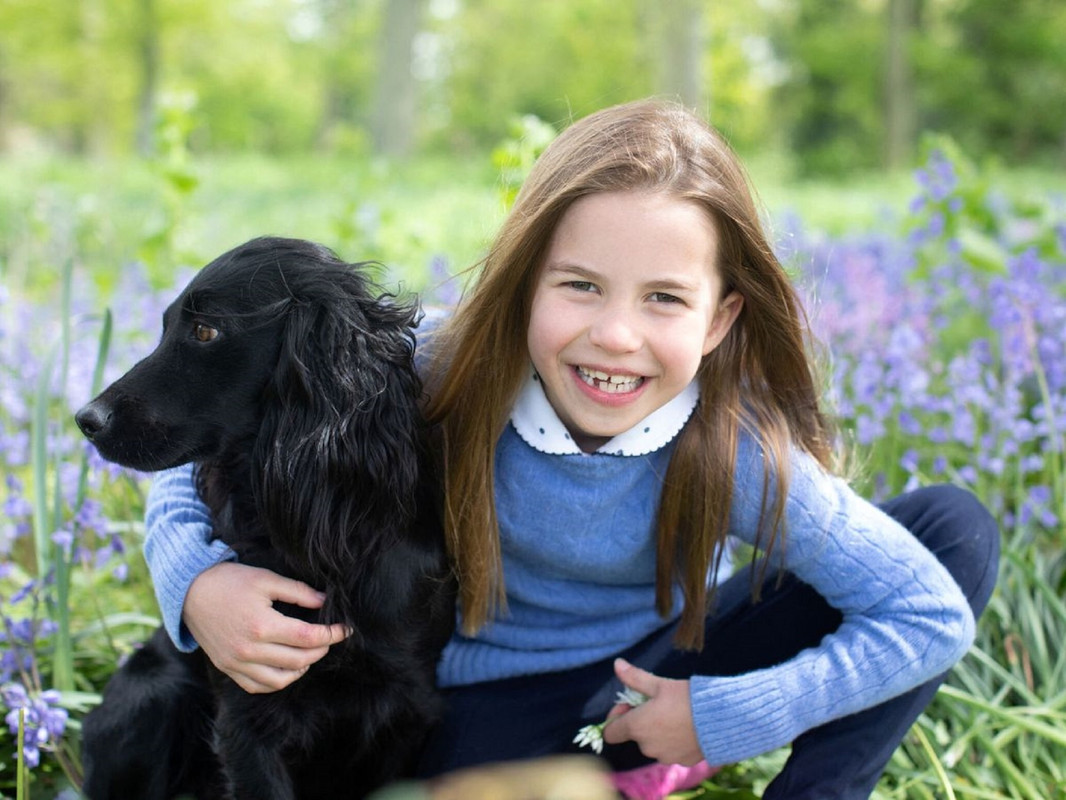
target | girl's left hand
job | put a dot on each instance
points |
(662, 727)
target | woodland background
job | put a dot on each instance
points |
(911, 160)
(840, 85)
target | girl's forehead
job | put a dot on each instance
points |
(635, 198)
(638, 219)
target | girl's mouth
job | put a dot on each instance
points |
(609, 384)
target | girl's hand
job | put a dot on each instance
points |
(662, 727)
(229, 610)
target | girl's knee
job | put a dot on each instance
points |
(964, 536)
(957, 512)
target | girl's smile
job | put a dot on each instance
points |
(604, 383)
(626, 304)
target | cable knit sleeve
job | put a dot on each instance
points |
(178, 545)
(905, 620)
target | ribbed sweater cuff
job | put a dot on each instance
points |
(172, 585)
(177, 547)
(755, 722)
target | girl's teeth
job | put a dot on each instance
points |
(612, 384)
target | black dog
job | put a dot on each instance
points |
(292, 387)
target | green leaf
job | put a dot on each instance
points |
(982, 251)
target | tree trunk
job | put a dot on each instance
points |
(682, 41)
(336, 16)
(392, 125)
(148, 54)
(899, 84)
(4, 100)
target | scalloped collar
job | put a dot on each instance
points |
(536, 422)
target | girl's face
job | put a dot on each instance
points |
(625, 306)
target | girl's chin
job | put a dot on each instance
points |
(588, 443)
(599, 429)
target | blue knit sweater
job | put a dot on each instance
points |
(577, 536)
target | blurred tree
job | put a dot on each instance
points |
(339, 35)
(5, 95)
(830, 98)
(900, 102)
(844, 84)
(393, 120)
(557, 60)
(991, 74)
(994, 77)
(681, 42)
(148, 40)
(743, 71)
(258, 84)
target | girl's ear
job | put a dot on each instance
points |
(724, 316)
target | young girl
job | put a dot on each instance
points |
(622, 395)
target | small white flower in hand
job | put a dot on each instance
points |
(592, 735)
(631, 697)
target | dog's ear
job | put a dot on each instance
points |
(338, 452)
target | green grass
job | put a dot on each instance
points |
(400, 214)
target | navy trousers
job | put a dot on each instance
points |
(540, 714)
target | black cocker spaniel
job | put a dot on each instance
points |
(289, 381)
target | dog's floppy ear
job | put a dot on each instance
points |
(338, 450)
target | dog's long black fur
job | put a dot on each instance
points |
(290, 383)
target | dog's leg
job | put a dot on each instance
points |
(149, 737)
(249, 741)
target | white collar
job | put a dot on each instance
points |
(540, 427)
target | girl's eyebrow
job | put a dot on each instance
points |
(656, 284)
(670, 285)
(571, 269)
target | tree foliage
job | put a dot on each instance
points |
(288, 76)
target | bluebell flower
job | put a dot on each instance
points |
(22, 593)
(64, 539)
(43, 720)
(910, 460)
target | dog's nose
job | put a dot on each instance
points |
(92, 419)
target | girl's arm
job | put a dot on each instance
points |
(208, 599)
(905, 619)
(178, 546)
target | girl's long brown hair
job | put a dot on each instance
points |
(759, 377)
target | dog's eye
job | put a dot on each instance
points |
(204, 333)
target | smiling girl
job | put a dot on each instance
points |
(623, 394)
(611, 339)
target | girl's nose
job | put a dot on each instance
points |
(615, 332)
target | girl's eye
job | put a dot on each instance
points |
(204, 333)
(663, 297)
(581, 286)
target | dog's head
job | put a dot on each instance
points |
(275, 331)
